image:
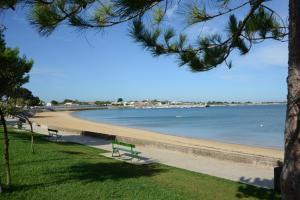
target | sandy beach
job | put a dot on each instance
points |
(65, 121)
(252, 165)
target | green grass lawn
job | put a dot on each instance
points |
(73, 171)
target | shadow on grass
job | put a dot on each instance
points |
(18, 187)
(90, 172)
(37, 161)
(246, 190)
(24, 135)
(84, 170)
(65, 143)
(73, 152)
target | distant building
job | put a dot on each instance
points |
(119, 103)
(159, 103)
(68, 104)
(174, 103)
(49, 104)
(131, 103)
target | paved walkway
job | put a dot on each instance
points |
(249, 174)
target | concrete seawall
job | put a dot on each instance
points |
(202, 151)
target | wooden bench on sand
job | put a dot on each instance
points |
(54, 133)
(118, 146)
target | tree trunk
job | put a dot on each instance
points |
(32, 143)
(5, 149)
(31, 130)
(290, 177)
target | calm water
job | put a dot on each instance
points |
(250, 125)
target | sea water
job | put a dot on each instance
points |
(255, 125)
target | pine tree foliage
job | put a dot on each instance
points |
(14, 68)
(46, 15)
(14, 73)
(260, 23)
(150, 26)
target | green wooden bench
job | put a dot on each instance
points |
(118, 146)
(53, 133)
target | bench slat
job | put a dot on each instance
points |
(52, 130)
(123, 144)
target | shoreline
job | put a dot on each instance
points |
(66, 121)
(170, 134)
(82, 108)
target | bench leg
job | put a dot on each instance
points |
(112, 155)
(115, 151)
(57, 137)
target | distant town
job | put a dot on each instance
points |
(69, 104)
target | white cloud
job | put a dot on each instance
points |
(271, 55)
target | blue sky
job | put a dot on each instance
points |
(105, 65)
